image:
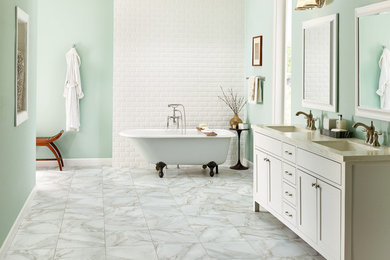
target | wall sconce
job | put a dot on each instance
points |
(309, 4)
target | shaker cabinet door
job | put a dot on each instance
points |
(307, 205)
(329, 201)
(275, 184)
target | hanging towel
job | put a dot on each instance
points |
(72, 90)
(252, 89)
(259, 90)
(384, 80)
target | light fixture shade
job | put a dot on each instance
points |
(308, 4)
(301, 5)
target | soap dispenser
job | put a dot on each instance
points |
(340, 123)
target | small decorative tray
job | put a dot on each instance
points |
(330, 133)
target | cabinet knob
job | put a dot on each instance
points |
(266, 159)
(314, 185)
(318, 186)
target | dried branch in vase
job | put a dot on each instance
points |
(232, 100)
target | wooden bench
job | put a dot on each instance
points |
(49, 143)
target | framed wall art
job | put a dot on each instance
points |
(257, 51)
(21, 66)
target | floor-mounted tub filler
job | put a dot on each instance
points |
(172, 147)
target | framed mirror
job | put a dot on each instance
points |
(21, 66)
(320, 63)
(372, 59)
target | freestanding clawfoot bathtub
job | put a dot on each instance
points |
(167, 146)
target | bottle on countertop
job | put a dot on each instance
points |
(341, 124)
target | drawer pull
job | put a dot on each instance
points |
(314, 185)
(266, 159)
(288, 194)
(287, 152)
(288, 173)
(288, 214)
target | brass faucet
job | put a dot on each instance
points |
(371, 135)
(310, 120)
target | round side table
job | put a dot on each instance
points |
(239, 165)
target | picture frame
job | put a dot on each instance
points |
(257, 51)
(22, 24)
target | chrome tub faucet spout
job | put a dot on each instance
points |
(176, 119)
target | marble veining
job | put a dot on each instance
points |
(108, 213)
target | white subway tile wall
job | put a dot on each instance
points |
(174, 51)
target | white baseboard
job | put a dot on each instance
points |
(84, 162)
(247, 163)
(14, 229)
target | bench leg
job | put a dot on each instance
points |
(54, 152)
(58, 152)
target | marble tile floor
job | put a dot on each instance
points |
(109, 213)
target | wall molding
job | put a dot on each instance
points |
(14, 229)
(279, 58)
(78, 162)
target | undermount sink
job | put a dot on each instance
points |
(344, 146)
(289, 129)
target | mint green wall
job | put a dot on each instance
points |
(259, 21)
(88, 24)
(17, 144)
(370, 50)
(346, 10)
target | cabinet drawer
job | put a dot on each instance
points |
(289, 173)
(288, 152)
(289, 213)
(289, 194)
(267, 143)
(326, 168)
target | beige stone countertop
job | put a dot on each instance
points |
(352, 149)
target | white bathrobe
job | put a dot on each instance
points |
(73, 91)
(384, 80)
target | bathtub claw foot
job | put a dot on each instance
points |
(160, 168)
(212, 165)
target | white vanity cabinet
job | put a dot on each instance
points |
(334, 197)
(332, 193)
(301, 198)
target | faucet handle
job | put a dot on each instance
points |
(364, 130)
(378, 133)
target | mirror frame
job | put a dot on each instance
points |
(21, 116)
(373, 113)
(332, 20)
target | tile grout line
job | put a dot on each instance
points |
(143, 213)
(186, 217)
(104, 216)
(62, 221)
